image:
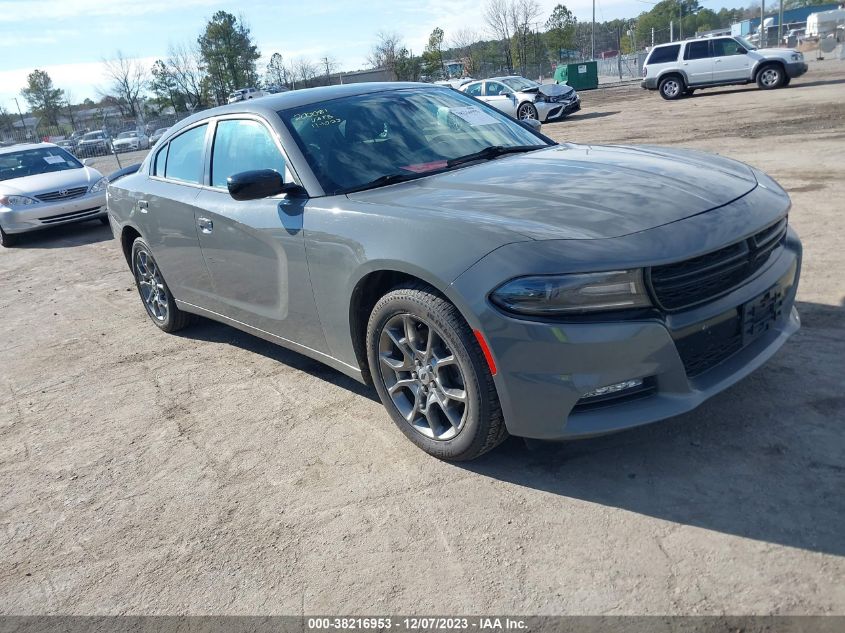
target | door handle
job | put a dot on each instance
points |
(206, 225)
(143, 206)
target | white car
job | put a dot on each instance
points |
(244, 94)
(131, 141)
(42, 185)
(525, 99)
(680, 68)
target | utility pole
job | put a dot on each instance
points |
(780, 23)
(652, 37)
(20, 114)
(593, 34)
(671, 31)
(680, 19)
(762, 26)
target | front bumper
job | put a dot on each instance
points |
(46, 214)
(796, 69)
(546, 368)
(554, 111)
(127, 148)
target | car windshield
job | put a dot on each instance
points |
(746, 44)
(518, 84)
(127, 135)
(32, 162)
(92, 136)
(373, 139)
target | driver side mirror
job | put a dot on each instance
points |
(260, 183)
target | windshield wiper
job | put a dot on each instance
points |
(494, 151)
(381, 181)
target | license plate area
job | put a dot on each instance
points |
(761, 314)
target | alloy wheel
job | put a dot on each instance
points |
(671, 88)
(527, 111)
(423, 377)
(151, 286)
(770, 77)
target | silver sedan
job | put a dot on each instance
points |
(43, 185)
(525, 99)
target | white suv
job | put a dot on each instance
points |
(679, 68)
(245, 94)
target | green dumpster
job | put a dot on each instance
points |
(560, 74)
(583, 76)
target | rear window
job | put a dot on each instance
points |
(664, 54)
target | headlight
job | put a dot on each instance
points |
(99, 185)
(550, 295)
(797, 57)
(17, 201)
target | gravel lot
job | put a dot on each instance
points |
(211, 472)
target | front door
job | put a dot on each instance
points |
(255, 250)
(730, 61)
(500, 97)
(698, 62)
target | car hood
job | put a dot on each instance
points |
(575, 191)
(53, 181)
(551, 90)
(774, 52)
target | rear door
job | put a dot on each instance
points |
(165, 214)
(500, 97)
(698, 62)
(255, 250)
(730, 61)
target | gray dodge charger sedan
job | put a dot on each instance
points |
(486, 280)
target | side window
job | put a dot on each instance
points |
(726, 46)
(242, 145)
(493, 88)
(161, 159)
(697, 50)
(474, 90)
(185, 155)
(664, 54)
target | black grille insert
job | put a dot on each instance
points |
(693, 281)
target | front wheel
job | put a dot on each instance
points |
(155, 295)
(6, 239)
(527, 111)
(770, 77)
(431, 375)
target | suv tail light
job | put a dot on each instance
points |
(645, 71)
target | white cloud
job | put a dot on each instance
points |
(17, 11)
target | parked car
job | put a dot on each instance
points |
(96, 143)
(156, 136)
(525, 99)
(245, 94)
(680, 68)
(43, 185)
(67, 144)
(487, 280)
(454, 83)
(131, 141)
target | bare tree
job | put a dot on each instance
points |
(128, 79)
(497, 15)
(385, 51)
(522, 13)
(329, 65)
(305, 70)
(185, 67)
(465, 43)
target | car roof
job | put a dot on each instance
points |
(25, 146)
(297, 98)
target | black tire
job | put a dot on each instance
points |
(7, 240)
(482, 426)
(104, 220)
(527, 111)
(770, 76)
(173, 319)
(671, 87)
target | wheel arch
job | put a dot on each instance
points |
(769, 62)
(676, 72)
(128, 235)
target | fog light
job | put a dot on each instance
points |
(613, 389)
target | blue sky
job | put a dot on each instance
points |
(70, 38)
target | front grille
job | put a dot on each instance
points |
(74, 215)
(705, 347)
(694, 281)
(64, 194)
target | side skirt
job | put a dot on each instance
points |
(331, 361)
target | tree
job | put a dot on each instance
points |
(277, 72)
(329, 65)
(407, 67)
(228, 54)
(522, 13)
(128, 79)
(384, 51)
(6, 120)
(497, 16)
(43, 98)
(305, 70)
(164, 86)
(185, 67)
(560, 31)
(466, 47)
(433, 54)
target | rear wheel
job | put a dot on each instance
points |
(155, 295)
(430, 374)
(671, 87)
(770, 76)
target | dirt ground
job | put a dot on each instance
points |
(213, 473)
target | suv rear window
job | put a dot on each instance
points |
(664, 54)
